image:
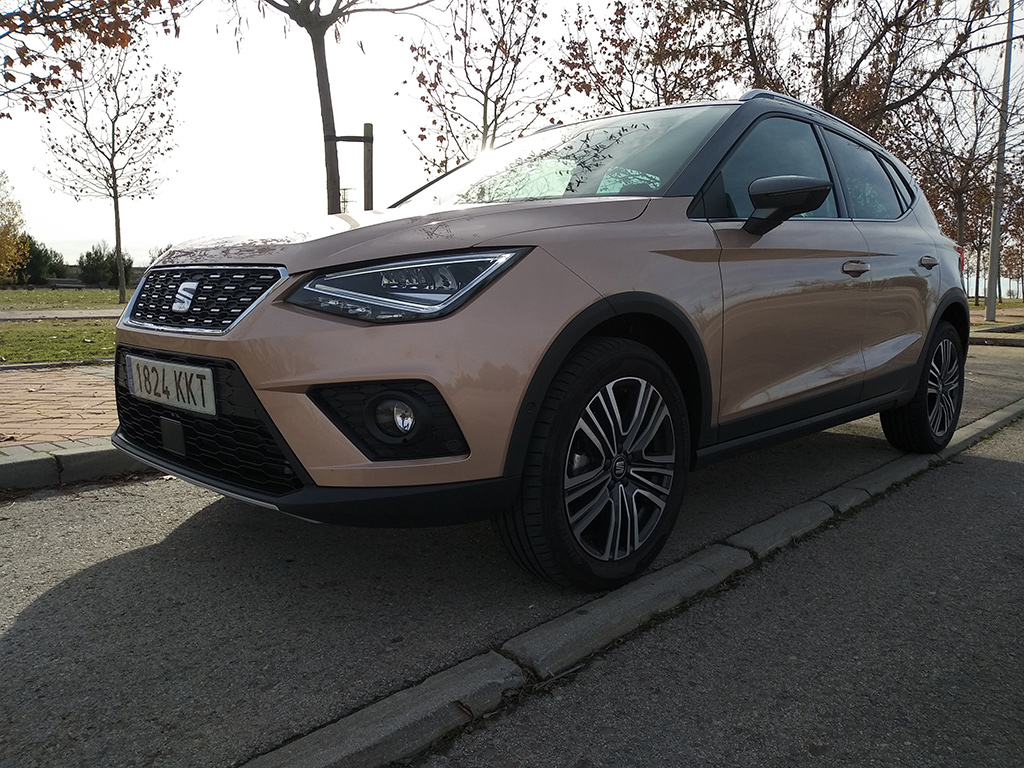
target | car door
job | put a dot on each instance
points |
(794, 298)
(902, 258)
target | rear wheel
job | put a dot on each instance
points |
(605, 470)
(926, 424)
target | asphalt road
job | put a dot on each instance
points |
(153, 623)
(895, 638)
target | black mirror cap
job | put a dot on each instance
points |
(777, 198)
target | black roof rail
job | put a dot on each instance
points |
(761, 93)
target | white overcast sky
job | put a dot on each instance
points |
(249, 143)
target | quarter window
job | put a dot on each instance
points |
(869, 190)
(899, 181)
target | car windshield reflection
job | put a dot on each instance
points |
(629, 155)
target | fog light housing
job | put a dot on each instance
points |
(397, 417)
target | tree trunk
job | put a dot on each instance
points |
(317, 38)
(118, 256)
(977, 279)
(959, 205)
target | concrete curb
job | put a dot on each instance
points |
(43, 465)
(764, 538)
(404, 723)
(970, 434)
(996, 340)
(561, 643)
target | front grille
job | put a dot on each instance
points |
(237, 446)
(200, 299)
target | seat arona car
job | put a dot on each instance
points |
(555, 333)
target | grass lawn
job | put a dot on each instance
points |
(37, 341)
(62, 298)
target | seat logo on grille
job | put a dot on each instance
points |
(183, 296)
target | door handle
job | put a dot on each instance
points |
(856, 268)
(928, 262)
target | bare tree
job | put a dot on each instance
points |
(861, 60)
(114, 125)
(37, 40)
(751, 26)
(317, 20)
(1012, 258)
(865, 61)
(950, 144)
(644, 54)
(482, 78)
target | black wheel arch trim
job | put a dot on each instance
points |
(956, 297)
(952, 298)
(584, 325)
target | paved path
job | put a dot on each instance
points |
(55, 404)
(60, 314)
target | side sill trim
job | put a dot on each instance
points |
(796, 429)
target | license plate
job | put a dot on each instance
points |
(186, 387)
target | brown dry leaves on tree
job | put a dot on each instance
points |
(36, 41)
(643, 54)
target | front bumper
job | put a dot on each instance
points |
(399, 507)
(241, 454)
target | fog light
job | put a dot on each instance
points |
(395, 418)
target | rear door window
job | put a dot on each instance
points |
(870, 193)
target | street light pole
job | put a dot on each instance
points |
(997, 201)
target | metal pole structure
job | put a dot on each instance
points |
(367, 166)
(997, 201)
(367, 141)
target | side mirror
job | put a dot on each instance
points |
(777, 198)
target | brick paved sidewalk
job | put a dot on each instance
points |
(56, 403)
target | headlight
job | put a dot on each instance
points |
(413, 289)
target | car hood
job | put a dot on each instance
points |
(349, 238)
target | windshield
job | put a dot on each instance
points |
(625, 155)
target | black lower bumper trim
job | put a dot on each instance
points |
(411, 506)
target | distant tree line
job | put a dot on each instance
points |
(24, 260)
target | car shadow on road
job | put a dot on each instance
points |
(242, 627)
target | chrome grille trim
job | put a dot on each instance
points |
(216, 306)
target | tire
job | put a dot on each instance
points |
(926, 424)
(601, 494)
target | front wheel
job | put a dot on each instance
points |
(604, 475)
(926, 424)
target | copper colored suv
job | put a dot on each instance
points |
(554, 334)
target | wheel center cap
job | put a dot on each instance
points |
(619, 467)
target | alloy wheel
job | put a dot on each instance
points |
(943, 388)
(619, 469)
